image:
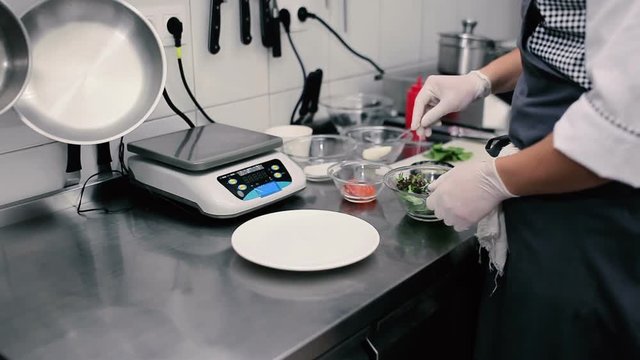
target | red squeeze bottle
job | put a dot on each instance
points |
(412, 93)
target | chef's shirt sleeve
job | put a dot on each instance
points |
(601, 130)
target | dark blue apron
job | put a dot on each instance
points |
(571, 286)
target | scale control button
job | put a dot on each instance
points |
(232, 181)
(277, 175)
(242, 187)
(275, 167)
(240, 193)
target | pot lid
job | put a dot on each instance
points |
(468, 25)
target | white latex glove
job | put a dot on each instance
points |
(467, 193)
(444, 94)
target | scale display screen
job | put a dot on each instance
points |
(257, 181)
(250, 170)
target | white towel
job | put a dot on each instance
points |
(492, 236)
(491, 231)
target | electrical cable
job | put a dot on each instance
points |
(285, 19)
(303, 14)
(123, 167)
(81, 211)
(193, 98)
(184, 117)
(304, 74)
(174, 27)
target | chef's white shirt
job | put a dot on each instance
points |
(601, 130)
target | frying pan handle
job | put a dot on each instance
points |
(73, 158)
(104, 156)
(245, 22)
(214, 27)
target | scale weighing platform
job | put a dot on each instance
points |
(224, 171)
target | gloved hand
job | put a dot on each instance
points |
(467, 193)
(444, 94)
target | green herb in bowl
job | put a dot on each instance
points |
(410, 184)
(413, 183)
(439, 152)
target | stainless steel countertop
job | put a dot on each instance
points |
(162, 282)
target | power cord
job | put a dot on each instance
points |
(285, 19)
(312, 82)
(174, 26)
(304, 14)
(105, 210)
(175, 109)
(123, 167)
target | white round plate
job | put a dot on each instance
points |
(305, 240)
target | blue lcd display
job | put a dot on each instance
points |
(257, 181)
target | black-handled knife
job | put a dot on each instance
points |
(214, 27)
(276, 48)
(265, 22)
(245, 22)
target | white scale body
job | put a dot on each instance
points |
(224, 191)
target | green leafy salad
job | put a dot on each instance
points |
(417, 184)
(451, 153)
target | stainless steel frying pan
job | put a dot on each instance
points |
(14, 58)
(98, 70)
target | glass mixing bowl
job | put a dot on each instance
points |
(316, 153)
(409, 183)
(358, 181)
(380, 144)
(357, 109)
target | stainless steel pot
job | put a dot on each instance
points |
(460, 53)
(14, 58)
(98, 70)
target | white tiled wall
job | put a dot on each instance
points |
(245, 86)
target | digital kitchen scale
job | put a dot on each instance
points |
(224, 171)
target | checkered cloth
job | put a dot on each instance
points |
(559, 39)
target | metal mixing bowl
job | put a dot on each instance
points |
(14, 58)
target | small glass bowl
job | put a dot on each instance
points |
(358, 181)
(379, 144)
(316, 153)
(415, 204)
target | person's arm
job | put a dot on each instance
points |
(542, 169)
(444, 94)
(504, 72)
(598, 137)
